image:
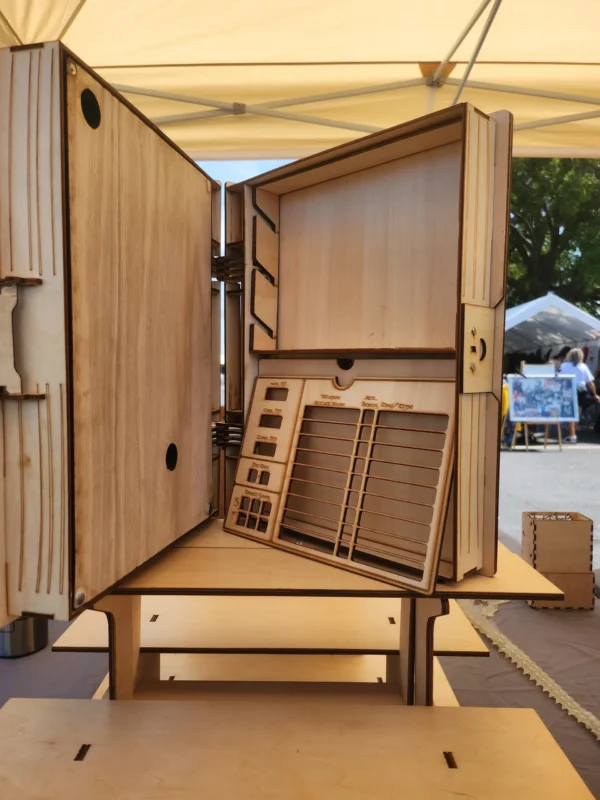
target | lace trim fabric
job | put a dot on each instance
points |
(480, 614)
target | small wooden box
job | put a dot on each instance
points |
(578, 589)
(557, 542)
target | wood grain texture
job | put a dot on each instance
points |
(386, 750)
(303, 669)
(267, 204)
(471, 478)
(234, 216)
(260, 339)
(427, 133)
(344, 439)
(554, 542)
(578, 589)
(503, 121)
(234, 358)
(205, 566)
(380, 368)
(478, 208)
(263, 301)
(356, 255)
(223, 677)
(122, 616)
(35, 484)
(265, 253)
(324, 625)
(141, 332)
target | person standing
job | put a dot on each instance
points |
(584, 382)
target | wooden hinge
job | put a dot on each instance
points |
(227, 434)
(230, 267)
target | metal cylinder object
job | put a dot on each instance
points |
(23, 637)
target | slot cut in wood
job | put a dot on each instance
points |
(82, 752)
(365, 487)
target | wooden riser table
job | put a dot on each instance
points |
(328, 625)
(225, 676)
(210, 563)
(296, 751)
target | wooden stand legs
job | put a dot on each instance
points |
(412, 669)
(127, 666)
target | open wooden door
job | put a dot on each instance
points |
(107, 240)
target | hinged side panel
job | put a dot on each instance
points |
(233, 282)
(483, 280)
(35, 487)
(215, 288)
(140, 244)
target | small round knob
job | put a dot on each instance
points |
(79, 598)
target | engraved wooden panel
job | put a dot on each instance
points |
(141, 338)
(478, 349)
(362, 475)
(357, 252)
(35, 489)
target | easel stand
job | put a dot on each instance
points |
(526, 433)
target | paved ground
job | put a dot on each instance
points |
(550, 480)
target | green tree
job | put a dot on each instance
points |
(555, 231)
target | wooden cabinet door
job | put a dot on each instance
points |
(107, 444)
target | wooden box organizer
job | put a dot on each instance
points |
(371, 278)
(105, 335)
(560, 546)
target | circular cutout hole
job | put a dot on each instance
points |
(171, 458)
(90, 108)
(345, 363)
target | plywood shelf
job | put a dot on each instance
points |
(209, 561)
(293, 751)
(323, 625)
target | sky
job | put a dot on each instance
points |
(235, 171)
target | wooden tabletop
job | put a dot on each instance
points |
(294, 751)
(221, 624)
(215, 674)
(210, 561)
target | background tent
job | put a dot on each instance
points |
(548, 323)
(282, 79)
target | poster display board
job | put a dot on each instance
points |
(543, 400)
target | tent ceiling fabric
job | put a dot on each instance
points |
(548, 321)
(544, 55)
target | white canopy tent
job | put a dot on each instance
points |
(548, 322)
(281, 79)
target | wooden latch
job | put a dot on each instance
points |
(477, 349)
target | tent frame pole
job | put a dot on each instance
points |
(545, 123)
(482, 37)
(435, 78)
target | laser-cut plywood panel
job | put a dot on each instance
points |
(355, 477)
(112, 335)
